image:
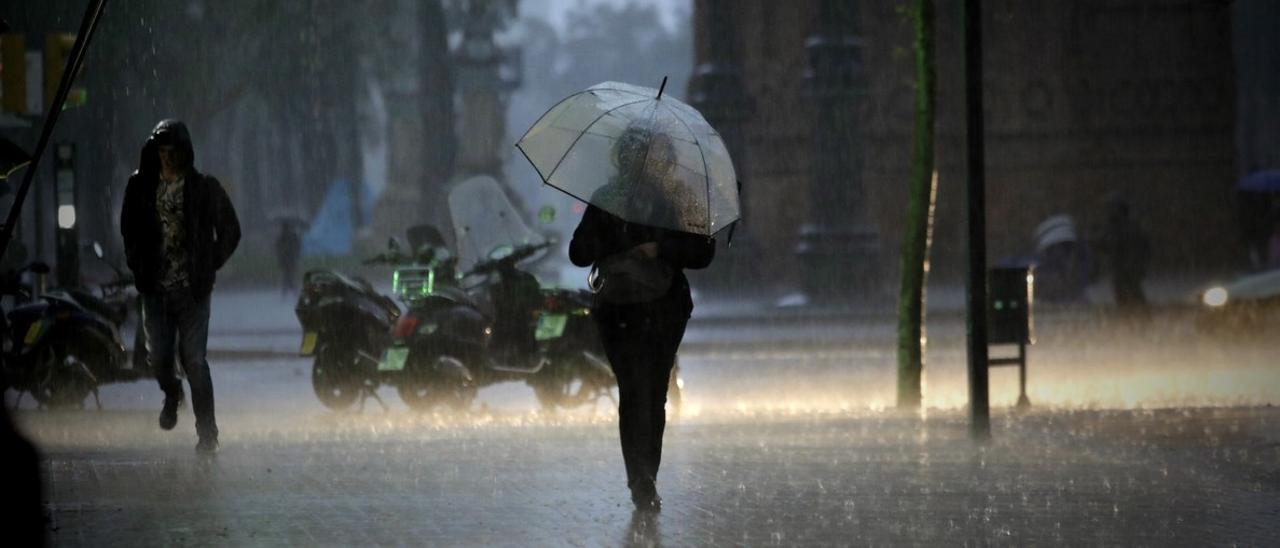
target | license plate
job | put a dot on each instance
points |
(308, 343)
(393, 359)
(551, 326)
(33, 333)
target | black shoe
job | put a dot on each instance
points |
(644, 494)
(169, 413)
(207, 446)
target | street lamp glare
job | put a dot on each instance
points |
(1215, 296)
(66, 216)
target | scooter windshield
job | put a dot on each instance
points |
(486, 224)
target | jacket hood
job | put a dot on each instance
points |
(167, 132)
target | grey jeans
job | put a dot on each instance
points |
(177, 324)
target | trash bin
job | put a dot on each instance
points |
(1009, 307)
(1009, 291)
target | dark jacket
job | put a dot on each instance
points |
(212, 229)
(601, 235)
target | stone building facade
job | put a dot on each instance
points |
(1083, 98)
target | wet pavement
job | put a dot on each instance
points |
(1141, 434)
(1181, 477)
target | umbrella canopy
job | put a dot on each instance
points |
(12, 158)
(1260, 181)
(645, 158)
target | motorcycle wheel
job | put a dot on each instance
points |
(572, 382)
(334, 379)
(59, 378)
(568, 393)
(423, 388)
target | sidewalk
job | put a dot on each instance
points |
(792, 466)
(1159, 478)
(260, 323)
(943, 301)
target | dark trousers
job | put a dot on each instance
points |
(641, 342)
(177, 323)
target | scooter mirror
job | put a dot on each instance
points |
(547, 215)
(97, 250)
(392, 245)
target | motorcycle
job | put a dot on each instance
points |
(460, 334)
(20, 293)
(436, 310)
(346, 325)
(70, 343)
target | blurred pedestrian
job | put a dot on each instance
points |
(1127, 250)
(1064, 264)
(179, 228)
(642, 301)
(288, 249)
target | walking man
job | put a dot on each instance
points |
(288, 248)
(179, 228)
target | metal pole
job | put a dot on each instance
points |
(1024, 402)
(976, 307)
(88, 25)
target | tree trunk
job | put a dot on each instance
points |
(436, 87)
(916, 241)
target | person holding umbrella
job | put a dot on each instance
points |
(659, 185)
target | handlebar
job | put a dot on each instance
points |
(518, 254)
(398, 258)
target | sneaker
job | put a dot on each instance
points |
(169, 413)
(207, 446)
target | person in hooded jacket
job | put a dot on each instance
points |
(179, 228)
(641, 335)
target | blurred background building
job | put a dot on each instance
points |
(364, 111)
(1084, 99)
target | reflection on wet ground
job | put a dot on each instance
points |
(1123, 477)
(1141, 433)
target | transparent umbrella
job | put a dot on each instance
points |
(645, 158)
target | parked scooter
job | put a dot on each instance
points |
(346, 325)
(66, 343)
(19, 294)
(450, 343)
(437, 310)
(501, 326)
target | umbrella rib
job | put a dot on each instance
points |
(620, 90)
(545, 178)
(584, 132)
(544, 115)
(706, 171)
